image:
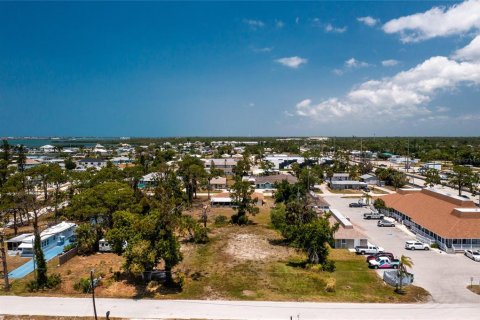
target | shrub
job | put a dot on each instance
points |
(240, 219)
(434, 245)
(278, 217)
(200, 235)
(82, 285)
(54, 280)
(328, 266)
(32, 286)
(180, 279)
(220, 220)
(69, 247)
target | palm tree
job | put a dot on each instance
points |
(405, 262)
(368, 198)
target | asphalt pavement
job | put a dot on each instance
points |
(445, 276)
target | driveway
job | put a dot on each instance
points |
(445, 276)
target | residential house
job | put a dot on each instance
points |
(47, 148)
(317, 202)
(100, 149)
(149, 180)
(268, 182)
(371, 179)
(340, 177)
(224, 164)
(15, 242)
(53, 236)
(218, 183)
(86, 163)
(30, 163)
(347, 184)
(346, 236)
(283, 161)
(225, 199)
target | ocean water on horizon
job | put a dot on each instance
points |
(35, 143)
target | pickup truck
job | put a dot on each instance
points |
(380, 254)
(368, 249)
(384, 263)
(373, 215)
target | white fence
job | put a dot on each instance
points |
(393, 279)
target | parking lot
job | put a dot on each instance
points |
(445, 276)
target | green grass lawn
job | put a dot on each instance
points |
(214, 274)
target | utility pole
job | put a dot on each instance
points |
(4, 259)
(408, 154)
(93, 294)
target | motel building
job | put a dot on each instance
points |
(450, 221)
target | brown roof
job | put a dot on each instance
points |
(436, 212)
(317, 200)
(346, 233)
(219, 180)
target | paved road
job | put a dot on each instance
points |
(195, 309)
(445, 276)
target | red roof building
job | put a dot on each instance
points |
(450, 221)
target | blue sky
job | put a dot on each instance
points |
(183, 69)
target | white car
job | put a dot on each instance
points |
(474, 255)
(416, 245)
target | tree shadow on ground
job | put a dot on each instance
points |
(278, 242)
(298, 264)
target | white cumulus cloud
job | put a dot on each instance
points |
(470, 52)
(292, 62)
(332, 29)
(437, 22)
(354, 63)
(369, 21)
(389, 63)
(404, 95)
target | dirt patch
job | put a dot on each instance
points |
(247, 246)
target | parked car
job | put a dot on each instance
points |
(366, 189)
(416, 245)
(355, 205)
(373, 215)
(380, 254)
(370, 249)
(385, 223)
(474, 255)
(384, 263)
